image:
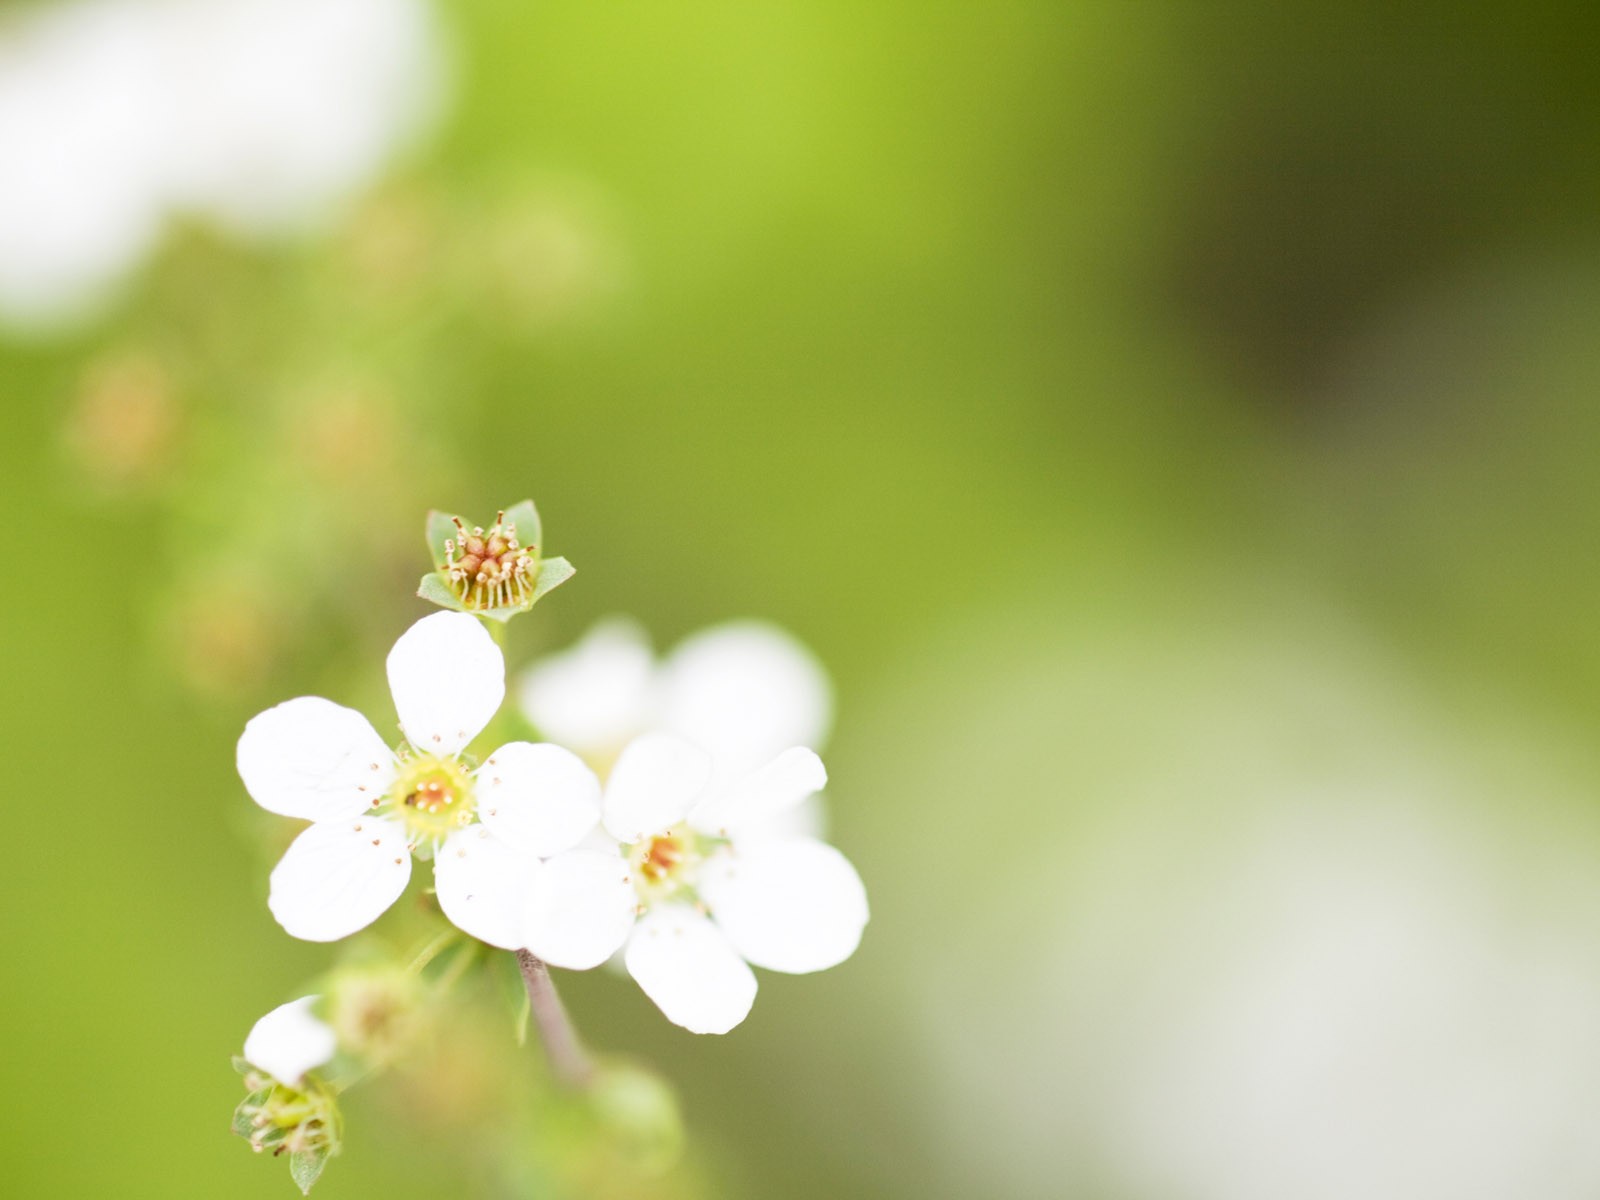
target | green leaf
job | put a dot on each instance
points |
(439, 527)
(305, 1167)
(553, 572)
(434, 589)
(530, 533)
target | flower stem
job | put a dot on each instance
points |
(567, 1058)
(427, 954)
(467, 955)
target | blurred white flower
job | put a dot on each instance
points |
(294, 104)
(259, 115)
(289, 1041)
(1356, 998)
(713, 887)
(81, 106)
(743, 691)
(486, 827)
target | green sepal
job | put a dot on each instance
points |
(435, 590)
(439, 527)
(500, 614)
(553, 572)
(242, 1065)
(305, 1167)
(530, 533)
(242, 1115)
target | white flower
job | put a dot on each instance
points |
(743, 691)
(258, 115)
(81, 203)
(485, 827)
(289, 1041)
(293, 105)
(693, 897)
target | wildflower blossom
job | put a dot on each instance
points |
(372, 809)
(743, 691)
(699, 886)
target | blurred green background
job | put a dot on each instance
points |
(1173, 425)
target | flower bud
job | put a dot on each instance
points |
(638, 1116)
(376, 1011)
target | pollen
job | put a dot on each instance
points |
(431, 796)
(661, 857)
(490, 568)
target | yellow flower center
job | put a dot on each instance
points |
(662, 864)
(432, 796)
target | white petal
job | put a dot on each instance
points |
(539, 796)
(596, 695)
(763, 795)
(579, 911)
(599, 841)
(314, 759)
(795, 905)
(481, 881)
(338, 877)
(289, 1041)
(688, 967)
(448, 678)
(808, 819)
(653, 786)
(744, 691)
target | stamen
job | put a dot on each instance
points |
(490, 568)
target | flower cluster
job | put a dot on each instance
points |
(670, 821)
(692, 871)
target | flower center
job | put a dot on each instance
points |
(664, 863)
(432, 796)
(489, 568)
